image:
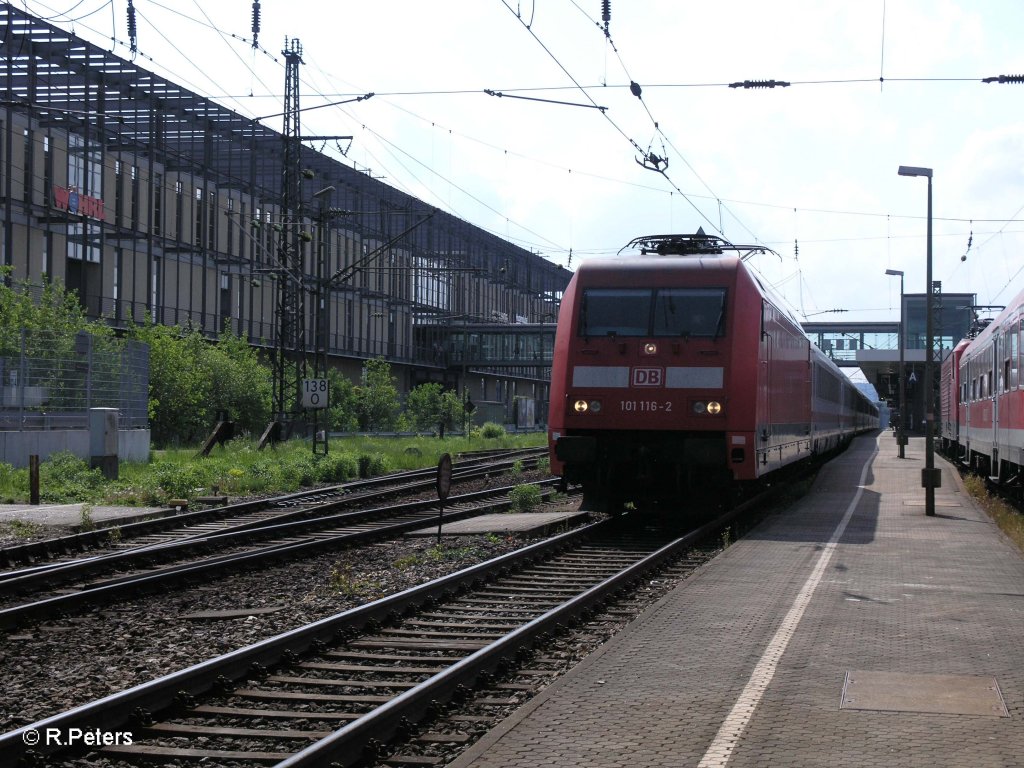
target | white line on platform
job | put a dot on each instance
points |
(736, 722)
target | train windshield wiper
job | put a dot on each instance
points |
(719, 323)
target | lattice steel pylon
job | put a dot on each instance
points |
(290, 352)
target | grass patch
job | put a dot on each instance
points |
(525, 498)
(22, 529)
(342, 581)
(443, 553)
(239, 469)
(407, 561)
(1008, 519)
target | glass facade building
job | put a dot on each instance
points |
(150, 201)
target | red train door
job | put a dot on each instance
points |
(764, 356)
(996, 382)
(1001, 409)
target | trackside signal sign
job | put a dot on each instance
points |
(314, 393)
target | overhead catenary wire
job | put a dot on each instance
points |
(441, 200)
(507, 91)
(655, 166)
(655, 187)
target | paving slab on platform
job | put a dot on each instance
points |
(938, 694)
(520, 523)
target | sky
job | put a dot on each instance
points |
(808, 171)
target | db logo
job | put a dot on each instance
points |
(648, 377)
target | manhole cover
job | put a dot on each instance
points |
(936, 694)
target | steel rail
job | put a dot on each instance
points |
(165, 520)
(130, 586)
(346, 746)
(306, 518)
(119, 708)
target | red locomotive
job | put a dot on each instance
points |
(982, 400)
(676, 373)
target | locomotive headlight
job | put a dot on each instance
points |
(580, 406)
(712, 407)
(650, 348)
(595, 406)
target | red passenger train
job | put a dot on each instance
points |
(982, 400)
(676, 373)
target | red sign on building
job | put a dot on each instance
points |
(70, 200)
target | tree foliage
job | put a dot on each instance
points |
(378, 397)
(431, 407)
(48, 308)
(191, 380)
(241, 383)
(343, 405)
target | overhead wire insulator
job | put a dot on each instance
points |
(1004, 79)
(760, 84)
(970, 241)
(132, 28)
(255, 23)
(606, 15)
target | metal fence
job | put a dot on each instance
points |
(50, 380)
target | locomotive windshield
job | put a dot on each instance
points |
(682, 312)
(689, 312)
(615, 312)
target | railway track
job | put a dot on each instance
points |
(252, 546)
(252, 513)
(336, 690)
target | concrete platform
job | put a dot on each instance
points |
(537, 523)
(851, 630)
(71, 514)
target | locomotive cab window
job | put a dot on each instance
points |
(615, 312)
(674, 312)
(689, 312)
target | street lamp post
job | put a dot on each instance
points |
(901, 437)
(930, 477)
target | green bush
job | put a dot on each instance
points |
(491, 430)
(262, 472)
(431, 408)
(372, 465)
(525, 498)
(378, 397)
(13, 483)
(337, 467)
(181, 481)
(66, 478)
(343, 405)
(306, 470)
(50, 308)
(192, 379)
